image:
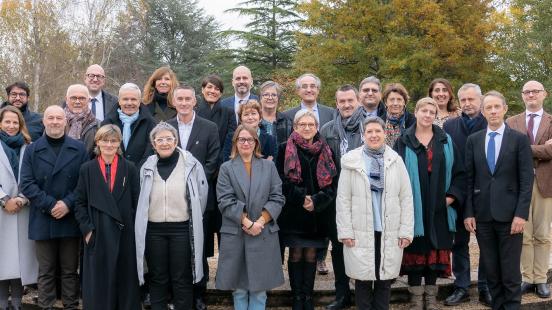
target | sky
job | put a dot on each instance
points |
(216, 8)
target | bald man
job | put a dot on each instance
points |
(242, 81)
(537, 125)
(101, 102)
(49, 174)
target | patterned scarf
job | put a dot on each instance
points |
(325, 167)
(350, 130)
(127, 121)
(76, 122)
(375, 171)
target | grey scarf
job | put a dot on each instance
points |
(375, 171)
(350, 130)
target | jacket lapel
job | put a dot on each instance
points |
(193, 134)
(543, 127)
(480, 148)
(501, 152)
(66, 155)
(109, 206)
(256, 176)
(241, 175)
(121, 181)
(6, 162)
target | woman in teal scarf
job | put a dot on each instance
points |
(437, 182)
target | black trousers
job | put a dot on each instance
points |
(373, 294)
(501, 254)
(169, 255)
(342, 289)
(62, 253)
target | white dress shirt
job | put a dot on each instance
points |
(237, 105)
(184, 131)
(497, 139)
(536, 121)
(314, 109)
(99, 107)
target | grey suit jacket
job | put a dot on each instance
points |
(325, 114)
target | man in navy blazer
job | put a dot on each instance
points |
(499, 167)
(242, 81)
(49, 175)
(308, 87)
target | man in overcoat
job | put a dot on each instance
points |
(49, 175)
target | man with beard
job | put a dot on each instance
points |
(18, 96)
(370, 96)
(342, 134)
(242, 83)
(49, 174)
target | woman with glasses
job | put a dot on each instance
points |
(274, 122)
(250, 199)
(306, 168)
(106, 197)
(169, 229)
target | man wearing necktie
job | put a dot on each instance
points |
(537, 125)
(499, 178)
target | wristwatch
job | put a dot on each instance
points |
(3, 201)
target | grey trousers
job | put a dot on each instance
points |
(62, 252)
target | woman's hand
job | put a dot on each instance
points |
(12, 206)
(348, 242)
(403, 243)
(308, 204)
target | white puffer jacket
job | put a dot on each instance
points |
(355, 220)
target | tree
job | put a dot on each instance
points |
(269, 37)
(407, 41)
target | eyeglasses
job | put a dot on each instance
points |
(162, 140)
(21, 95)
(306, 125)
(307, 86)
(370, 90)
(246, 140)
(95, 76)
(75, 99)
(532, 91)
(111, 141)
(268, 95)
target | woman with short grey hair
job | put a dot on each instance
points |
(169, 220)
(274, 122)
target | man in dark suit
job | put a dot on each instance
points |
(101, 102)
(242, 81)
(500, 178)
(459, 128)
(308, 87)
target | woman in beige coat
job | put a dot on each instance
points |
(374, 216)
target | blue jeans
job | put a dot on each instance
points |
(461, 262)
(246, 300)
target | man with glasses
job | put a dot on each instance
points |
(537, 125)
(308, 87)
(18, 96)
(101, 102)
(81, 123)
(370, 96)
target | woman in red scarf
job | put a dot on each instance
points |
(306, 168)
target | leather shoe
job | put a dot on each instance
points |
(199, 303)
(527, 288)
(339, 303)
(542, 290)
(486, 298)
(459, 296)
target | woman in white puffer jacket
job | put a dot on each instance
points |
(374, 215)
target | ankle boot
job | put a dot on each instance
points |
(416, 297)
(431, 297)
(309, 274)
(295, 272)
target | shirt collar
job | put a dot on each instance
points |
(98, 97)
(237, 99)
(186, 124)
(314, 107)
(500, 129)
(539, 113)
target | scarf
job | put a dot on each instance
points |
(109, 171)
(12, 146)
(161, 99)
(325, 167)
(76, 122)
(127, 121)
(396, 121)
(349, 129)
(411, 161)
(469, 122)
(376, 170)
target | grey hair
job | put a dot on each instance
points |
(162, 126)
(130, 86)
(304, 113)
(268, 84)
(316, 80)
(75, 87)
(494, 93)
(371, 79)
(468, 86)
(373, 119)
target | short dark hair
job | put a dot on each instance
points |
(345, 88)
(18, 84)
(213, 79)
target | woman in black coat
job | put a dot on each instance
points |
(158, 93)
(106, 198)
(306, 168)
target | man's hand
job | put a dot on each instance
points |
(348, 242)
(469, 223)
(403, 243)
(450, 200)
(59, 210)
(517, 225)
(308, 204)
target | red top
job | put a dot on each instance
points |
(112, 170)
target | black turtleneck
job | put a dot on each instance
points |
(165, 166)
(56, 143)
(161, 100)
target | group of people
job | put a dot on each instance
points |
(134, 188)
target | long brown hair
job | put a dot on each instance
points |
(22, 126)
(149, 88)
(253, 133)
(451, 105)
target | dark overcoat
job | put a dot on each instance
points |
(432, 187)
(109, 271)
(45, 179)
(224, 117)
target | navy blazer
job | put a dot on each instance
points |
(506, 193)
(45, 179)
(325, 114)
(229, 101)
